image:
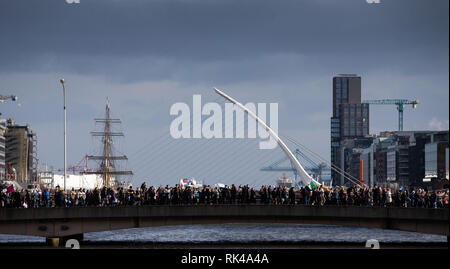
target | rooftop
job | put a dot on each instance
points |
(347, 75)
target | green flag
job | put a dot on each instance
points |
(313, 186)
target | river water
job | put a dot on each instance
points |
(235, 233)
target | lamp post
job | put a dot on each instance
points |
(65, 160)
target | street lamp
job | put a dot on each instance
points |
(65, 160)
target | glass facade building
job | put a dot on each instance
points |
(354, 119)
(350, 118)
(436, 156)
(391, 164)
(431, 164)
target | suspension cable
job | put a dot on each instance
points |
(332, 166)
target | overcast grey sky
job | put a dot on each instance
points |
(147, 55)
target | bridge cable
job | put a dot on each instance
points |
(335, 168)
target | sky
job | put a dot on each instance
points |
(147, 55)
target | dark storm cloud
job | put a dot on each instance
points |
(157, 36)
(147, 55)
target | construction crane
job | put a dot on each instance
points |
(4, 98)
(314, 168)
(398, 102)
(80, 167)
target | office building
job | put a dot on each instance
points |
(413, 158)
(382, 144)
(350, 152)
(350, 118)
(436, 157)
(367, 158)
(2, 149)
(20, 152)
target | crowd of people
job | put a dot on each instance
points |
(242, 194)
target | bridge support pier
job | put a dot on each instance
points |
(52, 242)
(61, 241)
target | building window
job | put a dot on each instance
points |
(365, 132)
(431, 160)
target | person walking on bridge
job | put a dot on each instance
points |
(291, 196)
(388, 198)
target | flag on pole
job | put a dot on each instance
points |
(313, 186)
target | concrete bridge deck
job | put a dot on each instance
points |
(73, 222)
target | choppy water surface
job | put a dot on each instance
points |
(246, 232)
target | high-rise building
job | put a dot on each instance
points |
(20, 152)
(354, 119)
(350, 118)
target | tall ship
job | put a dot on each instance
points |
(108, 160)
(106, 174)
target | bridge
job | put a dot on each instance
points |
(65, 223)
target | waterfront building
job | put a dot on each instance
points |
(382, 144)
(368, 161)
(417, 157)
(399, 158)
(20, 152)
(395, 159)
(350, 152)
(436, 157)
(350, 118)
(2, 149)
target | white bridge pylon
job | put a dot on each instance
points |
(303, 175)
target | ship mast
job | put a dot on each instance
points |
(107, 166)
